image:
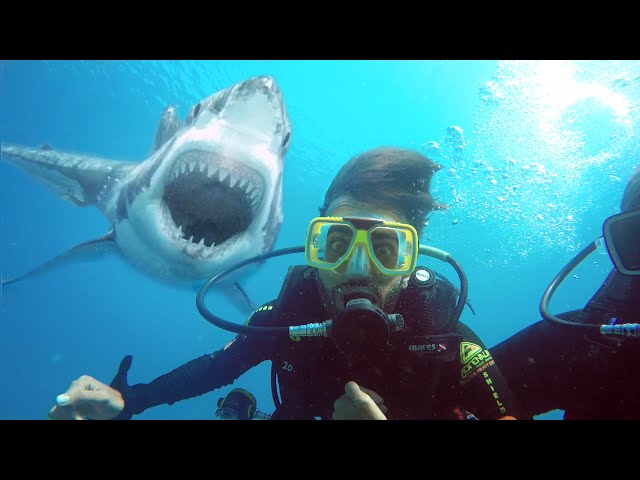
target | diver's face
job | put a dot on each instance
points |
(347, 278)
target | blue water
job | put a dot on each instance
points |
(538, 157)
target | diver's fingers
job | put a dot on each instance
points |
(85, 389)
(60, 413)
(83, 398)
(364, 401)
(65, 413)
(342, 404)
(374, 396)
(77, 416)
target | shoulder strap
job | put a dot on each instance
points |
(428, 302)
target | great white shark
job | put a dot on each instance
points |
(209, 195)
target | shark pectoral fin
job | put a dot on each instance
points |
(86, 251)
(248, 301)
(470, 307)
(77, 178)
(236, 295)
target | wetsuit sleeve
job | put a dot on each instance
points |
(206, 373)
(484, 390)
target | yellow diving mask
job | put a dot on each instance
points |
(391, 246)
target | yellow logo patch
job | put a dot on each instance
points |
(468, 350)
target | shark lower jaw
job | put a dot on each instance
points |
(209, 200)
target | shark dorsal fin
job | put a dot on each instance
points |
(167, 128)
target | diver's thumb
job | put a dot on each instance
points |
(353, 391)
(120, 381)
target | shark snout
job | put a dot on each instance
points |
(264, 84)
(262, 93)
(256, 106)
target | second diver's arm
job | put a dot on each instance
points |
(484, 389)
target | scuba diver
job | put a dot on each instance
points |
(584, 361)
(239, 404)
(360, 316)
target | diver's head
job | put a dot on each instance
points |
(387, 178)
(631, 195)
(386, 184)
(621, 232)
(239, 404)
(619, 295)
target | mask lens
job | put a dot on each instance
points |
(622, 235)
(328, 243)
(385, 244)
(394, 248)
(338, 241)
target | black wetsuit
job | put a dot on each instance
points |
(550, 366)
(416, 378)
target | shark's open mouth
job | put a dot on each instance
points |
(209, 200)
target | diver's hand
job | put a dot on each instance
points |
(87, 398)
(359, 403)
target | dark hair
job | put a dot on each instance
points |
(631, 196)
(392, 178)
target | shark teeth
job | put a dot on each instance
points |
(197, 249)
(188, 246)
(232, 180)
(212, 171)
(202, 164)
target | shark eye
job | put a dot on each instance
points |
(193, 115)
(285, 141)
(218, 104)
